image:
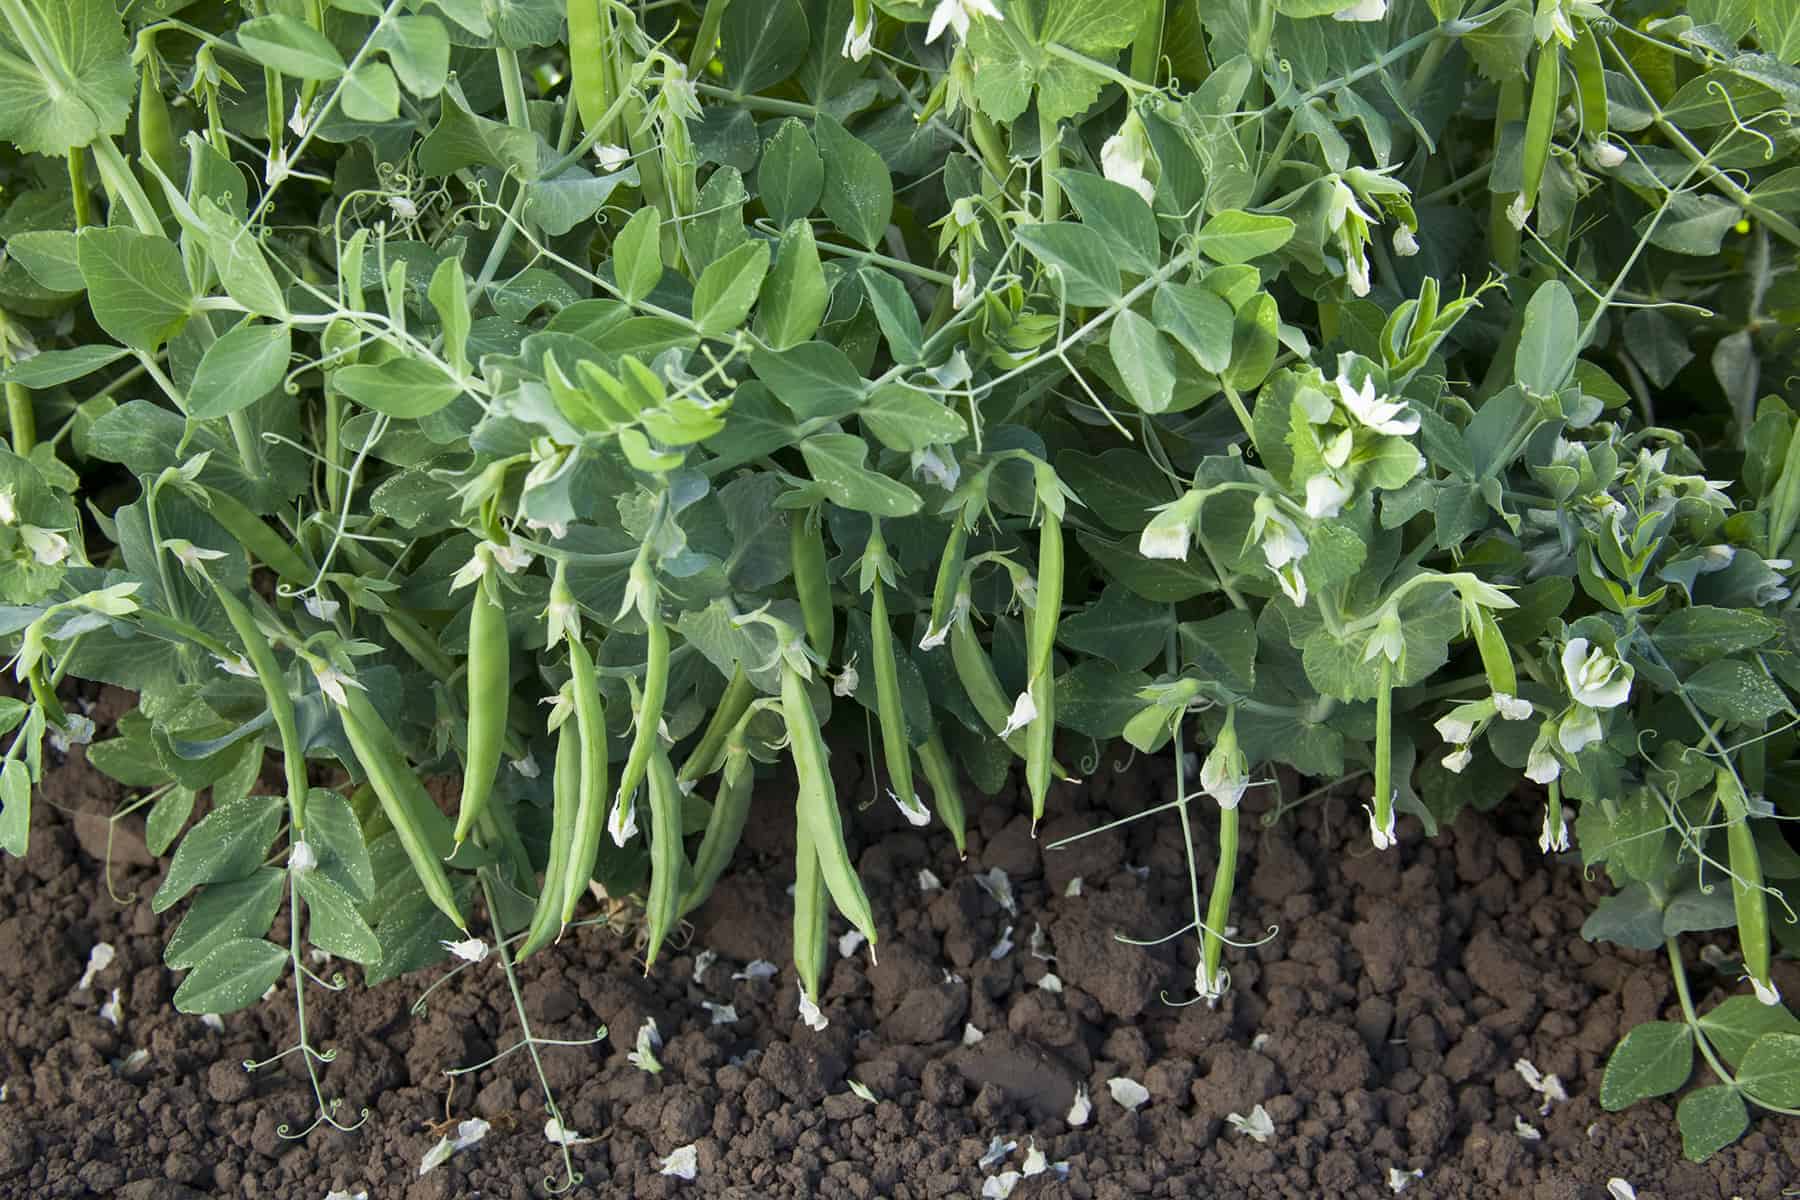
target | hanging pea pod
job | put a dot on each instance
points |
(1590, 82)
(724, 828)
(1746, 885)
(156, 134)
(668, 858)
(975, 671)
(704, 758)
(812, 919)
(946, 793)
(1381, 820)
(896, 749)
(946, 591)
(489, 680)
(1225, 775)
(590, 819)
(1496, 658)
(590, 68)
(1540, 122)
(817, 802)
(656, 691)
(806, 548)
(281, 703)
(1040, 732)
(565, 791)
(1501, 230)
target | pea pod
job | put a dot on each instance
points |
(1546, 88)
(254, 535)
(946, 793)
(1590, 82)
(1218, 908)
(1496, 658)
(1501, 231)
(281, 702)
(704, 757)
(589, 67)
(489, 680)
(949, 576)
(806, 546)
(156, 136)
(812, 920)
(1040, 682)
(731, 809)
(896, 749)
(817, 803)
(1382, 819)
(424, 831)
(650, 711)
(1746, 885)
(975, 671)
(668, 859)
(565, 791)
(590, 811)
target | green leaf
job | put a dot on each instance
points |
(418, 48)
(836, 463)
(401, 387)
(1096, 699)
(238, 258)
(816, 380)
(1654, 1059)
(15, 807)
(728, 287)
(291, 46)
(93, 82)
(370, 94)
(336, 837)
(791, 176)
(136, 284)
(1121, 627)
(1199, 319)
(794, 298)
(1711, 1118)
(1117, 214)
(449, 295)
(637, 254)
(336, 927)
(239, 369)
(1703, 632)
(1693, 224)
(574, 196)
(1736, 691)
(1630, 917)
(1235, 236)
(1113, 487)
(1144, 361)
(763, 43)
(1255, 340)
(234, 976)
(49, 256)
(1080, 257)
(1501, 47)
(53, 368)
(1015, 58)
(229, 844)
(167, 817)
(1771, 1069)
(1778, 29)
(906, 419)
(895, 313)
(1547, 341)
(859, 194)
(1222, 651)
(224, 912)
(1734, 1024)
(462, 139)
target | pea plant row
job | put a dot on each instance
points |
(600, 402)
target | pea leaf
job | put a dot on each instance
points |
(791, 176)
(15, 807)
(906, 419)
(89, 91)
(836, 463)
(462, 139)
(1547, 346)
(816, 380)
(336, 927)
(336, 837)
(728, 287)
(763, 43)
(1016, 59)
(228, 844)
(1235, 236)
(637, 254)
(53, 368)
(1654, 1059)
(1123, 628)
(1704, 632)
(1197, 318)
(49, 256)
(1736, 691)
(239, 369)
(795, 295)
(167, 817)
(1117, 214)
(401, 387)
(418, 48)
(291, 46)
(1711, 1118)
(222, 913)
(136, 283)
(235, 975)
(895, 313)
(1771, 1069)
(1144, 360)
(858, 194)
(1084, 264)
(1734, 1024)
(370, 94)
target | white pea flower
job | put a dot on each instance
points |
(1406, 242)
(320, 608)
(1392, 417)
(1455, 728)
(1081, 1109)
(1456, 760)
(1766, 991)
(935, 637)
(563, 617)
(1293, 583)
(9, 506)
(469, 950)
(1325, 497)
(1125, 155)
(512, 557)
(684, 1163)
(955, 14)
(189, 555)
(332, 682)
(237, 664)
(46, 545)
(1554, 838)
(1356, 269)
(302, 858)
(1542, 765)
(611, 158)
(1362, 10)
(846, 683)
(810, 1014)
(963, 290)
(1171, 530)
(1258, 1126)
(1579, 729)
(649, 1041)
(1382, 837)
(859, 36)
(1225, 775)
(622, 824)
(1620, 1189)
(1282, 541)
(558, 1134)
(1024, 712)
(1595, 678)
(403, 208)
(1607, 155)
(1388, 641)
(1518, 212)
(1511, 708)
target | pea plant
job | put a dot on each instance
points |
(597, 402)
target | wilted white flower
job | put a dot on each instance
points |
(1080, 1110)
(1554, 838)
(342, 1195)
(1607, 154)
(1125, 155)
(1210, 987)
(46, 545)
(928, 881)
(403, 208)
(810, 1014)
(1035, 1162)
(757, 968)
(1542, 765)
(611, 157)
(467, 1134)
(937, 466)
(1325, 497)
(557, 1135)
(962, 291)
(1595, 678)
(1398, 1181)
(859, 35)
(1383, 837)
(1051, 982)
(1456, 760)
(1394, 418)
(998, 884)
(512, 557)
(111, 1012)
(622, 824)
(332, 682)
(850, 943)
(1258, 1125)
(1618, 1189)
(301, 858)
(436, 1156)
(237, 664)
(99, 958)
(643, 1054)
(1406, 242)
(469, 950)
(213, 1022)
(1225, 775)
(1511, 708)
(683, 1163)
(1454, 729)
(846, 683)
(1004, 946)
(999, 1187)
(955, 14)
(1518, 212)
(1024, 712)
(1362, 10)
(1127, 1093)
(998, 1149)
(1526, 1130)
(1547, 1086)
(971, 1035)
(1766, 991)
(320, 608)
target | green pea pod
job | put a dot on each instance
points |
(1496, 658)
(975, 671)
(254, 535)
(806, 546)
(156, 136)
(588, 66)
(1546, 88)
(1040, 734)
(1218, 909)
(649, 714)
(489, 679)
(425, 832)
(888, 708)
(818, 803)
(590, 818)
(731, 809)
(704, 758)
(1501, 231)
(1590, 82)
(812, 919)
(668, 858)
(946, 793)
(565, 791)
(950, 569)
(1746, 882)
(281, 702)
(1383, 815)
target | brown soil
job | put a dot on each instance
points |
(1378, 1030)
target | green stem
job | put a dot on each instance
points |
(512, 87)
(1049, 156)
(707, 38)
(78, 188)
(768, 104)
(1384, 746)
(125, 186)
(249, 446)
(20, 419)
